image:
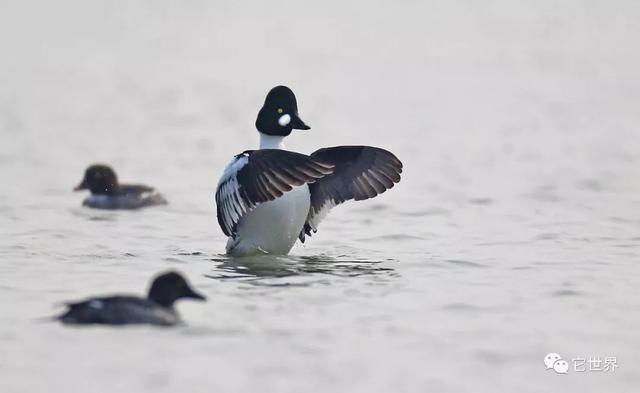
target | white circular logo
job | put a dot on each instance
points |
(550, 359)
(561, 366)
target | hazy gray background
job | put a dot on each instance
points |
(514, 232)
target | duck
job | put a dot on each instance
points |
(269, 198)
(155, 309)
(106, 193)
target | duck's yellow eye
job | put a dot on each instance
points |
(280, 110)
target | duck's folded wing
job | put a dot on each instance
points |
(135, 189)
(113, 310)
(258, 176)
(360, 172)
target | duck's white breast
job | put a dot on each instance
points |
(272, 227)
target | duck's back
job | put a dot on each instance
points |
(119, 310)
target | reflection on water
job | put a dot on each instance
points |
(270, 266)
(94, 214)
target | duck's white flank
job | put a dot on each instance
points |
(272, 227)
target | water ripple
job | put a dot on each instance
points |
(263, 267)
(463, 263)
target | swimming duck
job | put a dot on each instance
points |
(107, 193)
(156, 309)
(269, 198)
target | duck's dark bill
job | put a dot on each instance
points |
(80, 187)
(191, 294)
(298, 124)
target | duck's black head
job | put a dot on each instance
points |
(99, 179)
(279, 114)
(169, 287)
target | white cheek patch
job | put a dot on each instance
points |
(284, 120)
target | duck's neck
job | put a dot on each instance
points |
(272, 142)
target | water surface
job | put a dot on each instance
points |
(515, 230)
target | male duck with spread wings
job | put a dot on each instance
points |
(268, 198)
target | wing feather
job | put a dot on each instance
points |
(359, 172)
(258, 176)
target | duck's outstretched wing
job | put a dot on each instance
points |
(360, 172)
(258, 176)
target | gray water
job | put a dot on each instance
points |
(515, 230)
